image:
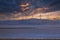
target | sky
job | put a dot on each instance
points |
(27, 9)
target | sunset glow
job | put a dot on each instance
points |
(49, 15)
(21, 10)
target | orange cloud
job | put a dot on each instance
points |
(37, 15)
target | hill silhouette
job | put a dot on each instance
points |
(29, 22)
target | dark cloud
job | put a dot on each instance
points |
(10, 6)
(54, 6)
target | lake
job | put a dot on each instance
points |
(30, 31)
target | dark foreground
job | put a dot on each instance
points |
(29, 39)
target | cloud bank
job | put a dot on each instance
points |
(13, 9)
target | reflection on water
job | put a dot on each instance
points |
(37, 32)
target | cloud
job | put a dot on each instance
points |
(14, 5)
(48, 15)
(13, 8)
